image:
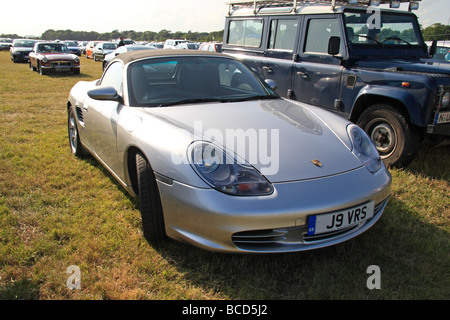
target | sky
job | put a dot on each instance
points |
(144, 15)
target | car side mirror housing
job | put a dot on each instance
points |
(334, 44)
(104, 93)
(433, 48)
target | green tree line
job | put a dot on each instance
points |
(162, 35)
(437, 31)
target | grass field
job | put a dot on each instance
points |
(57, 211)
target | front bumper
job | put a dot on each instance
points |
(61, 68)
(215, 221)
(20, 55)
(439, 129)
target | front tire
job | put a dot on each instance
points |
(394, 137)
(41, 71)
(150, 202)
(74, 138)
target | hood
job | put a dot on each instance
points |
(278, 137)
(22, 49)
(427, 67)
(59, 56)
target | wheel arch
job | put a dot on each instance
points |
(367, 100)
(130, 167)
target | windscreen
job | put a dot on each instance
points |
(382, 29)
(184, 80)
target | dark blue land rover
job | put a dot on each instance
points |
(368, 64)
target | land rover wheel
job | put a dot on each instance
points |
(394, 137)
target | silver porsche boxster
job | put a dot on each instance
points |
(220, 161)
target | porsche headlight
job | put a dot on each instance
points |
(224, 173)
(363, 148)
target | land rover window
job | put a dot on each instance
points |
(319, 31)
(283, 34)
(246, 32)
(389, 29)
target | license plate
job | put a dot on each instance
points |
(62, 69)
(328, 222)
(442, 117)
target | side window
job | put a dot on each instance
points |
(113, 77)
(283, 34)
(318, 34)
(245, 32)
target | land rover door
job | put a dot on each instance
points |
(317, 75)
(279, 55)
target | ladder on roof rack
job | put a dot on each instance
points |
(257, 4)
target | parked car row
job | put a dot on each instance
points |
(5, 43)
(46, 56)
(53, 56)
(20, 49)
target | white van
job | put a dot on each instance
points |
(171, 43)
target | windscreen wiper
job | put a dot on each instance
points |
(193, 100)
(370, 38)
(260, 97)
(398, 39)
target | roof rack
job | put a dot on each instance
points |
(259, 4)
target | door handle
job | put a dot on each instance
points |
(268, 69)
(302, 73)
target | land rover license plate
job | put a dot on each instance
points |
(442, 117)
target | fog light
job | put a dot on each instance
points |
(413, 6)
(395, 4)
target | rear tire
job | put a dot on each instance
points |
(394, 137)
(150, 202)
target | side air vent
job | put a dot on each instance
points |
(79, 114)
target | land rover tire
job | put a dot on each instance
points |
(394, 137)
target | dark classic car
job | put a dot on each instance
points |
(5, 43)
(73, 47)
(53, 56)
(20, 49)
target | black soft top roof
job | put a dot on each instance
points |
(128, 57)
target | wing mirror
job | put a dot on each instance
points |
(334, 44)
(433, 48)
(106, 93)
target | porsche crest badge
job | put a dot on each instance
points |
(317, 163)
